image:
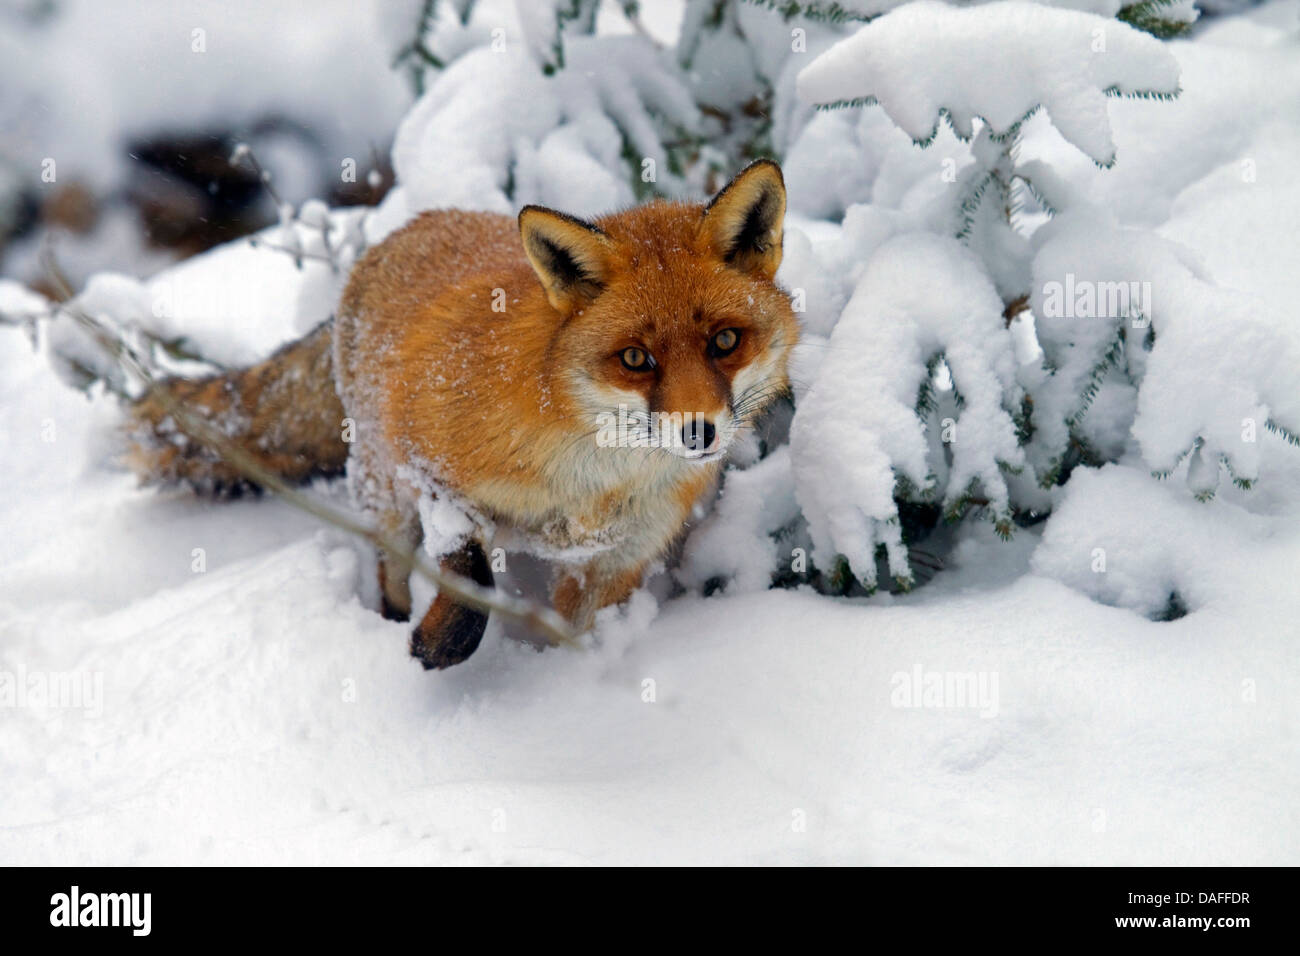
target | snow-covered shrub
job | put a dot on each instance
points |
(557, 140)
(974, 349)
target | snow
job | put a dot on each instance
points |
(445, 522)
(558, 138)
(248, 705)
(998, 62)
(1169, 146)
(922, 295)
(1221, 366)
(231, 323)
(732, 544)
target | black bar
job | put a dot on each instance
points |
(949, 905)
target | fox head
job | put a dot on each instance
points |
(668, 314)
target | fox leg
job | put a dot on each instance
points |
(450, 632)
(579, 594)
(395, 569)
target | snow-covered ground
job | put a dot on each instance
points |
(257, 712)
(239, 701)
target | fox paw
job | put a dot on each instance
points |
(451, 637)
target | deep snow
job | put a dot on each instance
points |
(257, 712)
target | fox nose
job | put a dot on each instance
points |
(698, 434)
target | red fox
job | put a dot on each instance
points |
(486, 358)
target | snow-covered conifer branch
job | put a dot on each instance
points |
(998, 62)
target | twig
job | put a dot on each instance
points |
(243, 152)
(296, 253)
(292, 218)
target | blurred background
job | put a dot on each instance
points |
(118, 119)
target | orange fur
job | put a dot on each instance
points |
(504, 406)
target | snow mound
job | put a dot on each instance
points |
(1125, 539)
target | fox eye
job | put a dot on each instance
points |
(638, 360)
(724, 343)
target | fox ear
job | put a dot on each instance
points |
(569, 255)
(743, 223)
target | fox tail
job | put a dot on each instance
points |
(283, 412)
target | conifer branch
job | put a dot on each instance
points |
(814, 10)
